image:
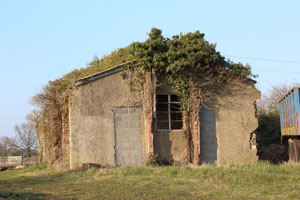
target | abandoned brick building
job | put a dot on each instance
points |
(108, 124)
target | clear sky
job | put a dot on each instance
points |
(42, 40)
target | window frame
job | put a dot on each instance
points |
(169, 112)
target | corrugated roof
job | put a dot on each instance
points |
(295, 88)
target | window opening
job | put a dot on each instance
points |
(168, 112)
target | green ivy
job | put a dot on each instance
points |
(186, 59)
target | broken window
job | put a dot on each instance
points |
(168, 112)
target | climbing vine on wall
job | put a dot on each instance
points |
(192, 67)
(186, 59)
(51, 103)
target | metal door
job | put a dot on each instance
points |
(208, 139)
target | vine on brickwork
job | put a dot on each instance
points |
(192, 67)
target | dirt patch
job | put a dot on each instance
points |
(275, 153)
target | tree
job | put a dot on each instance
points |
(7, 146)
(269, 101)
(4, 145)
(268, 131)
(26, 137)
(1, 149)
(33, 117)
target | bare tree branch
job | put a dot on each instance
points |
(26, 137)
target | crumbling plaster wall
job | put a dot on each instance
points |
(235, 121)
(170, 145)
(92, 137)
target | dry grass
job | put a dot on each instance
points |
(253, 181)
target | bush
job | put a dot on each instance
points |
(268, 131)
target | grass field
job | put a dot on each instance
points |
(255, 181)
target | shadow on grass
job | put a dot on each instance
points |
(12, 188)
(23, 196)
(26, 181)
(37, 180)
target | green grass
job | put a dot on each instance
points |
(253, 181)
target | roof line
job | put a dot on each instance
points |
(295, 88)
(102, 74)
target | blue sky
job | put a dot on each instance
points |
(42, 40)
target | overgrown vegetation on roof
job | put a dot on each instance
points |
(193, 68)
(187, 60)
(52, 101)
(97, 65)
